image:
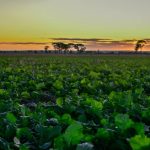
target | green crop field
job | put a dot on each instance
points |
(74, 102)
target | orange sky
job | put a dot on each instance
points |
(91, 44)
(99, 24)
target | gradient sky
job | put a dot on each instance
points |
(99, 24)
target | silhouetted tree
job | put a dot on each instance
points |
(62, 46)
(71, 45)
(80, 48)
(46, 49)
(139, 45)
(58, 46)
(65, 47)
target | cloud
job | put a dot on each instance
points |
(80, 39)
(132, 41)
(147, 40)
(122, 42)
(98, 40)
(99, 43)
(90, 43)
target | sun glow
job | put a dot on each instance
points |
(42, 22)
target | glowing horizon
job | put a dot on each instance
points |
(29, 25)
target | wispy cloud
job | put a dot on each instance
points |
(101, 43)
(90, 43)
(80, 39)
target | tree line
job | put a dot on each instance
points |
(80, 48)
(139, 45)
(67, 47)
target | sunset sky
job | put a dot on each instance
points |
(99, 24)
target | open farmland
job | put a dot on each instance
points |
(81, 103)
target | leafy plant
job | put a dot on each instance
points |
(82, 103)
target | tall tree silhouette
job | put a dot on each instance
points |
(80, 48)
(58, 46)
(139, 45)
(71, 45)
(61, 46)
(46, 49)
(65, 47)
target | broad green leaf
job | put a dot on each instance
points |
(102, 133)
(146, 114)
(11, 117)
(93, 74)
(59, 143)
(84, 81)
(59, 101)
(88, 137)
(24, 132)
(73, 134)
(8, 69)
(104, 122)
(123, 122)
(121, 99)
(140, 142)
(3, 92)
(95, 104)
(25, 95)
(55, 131)
(24, 147)
(40, 86)
(66, 118)
(58, 85)
(10, 130)
(139, 127)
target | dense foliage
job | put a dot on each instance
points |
(81, 103)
